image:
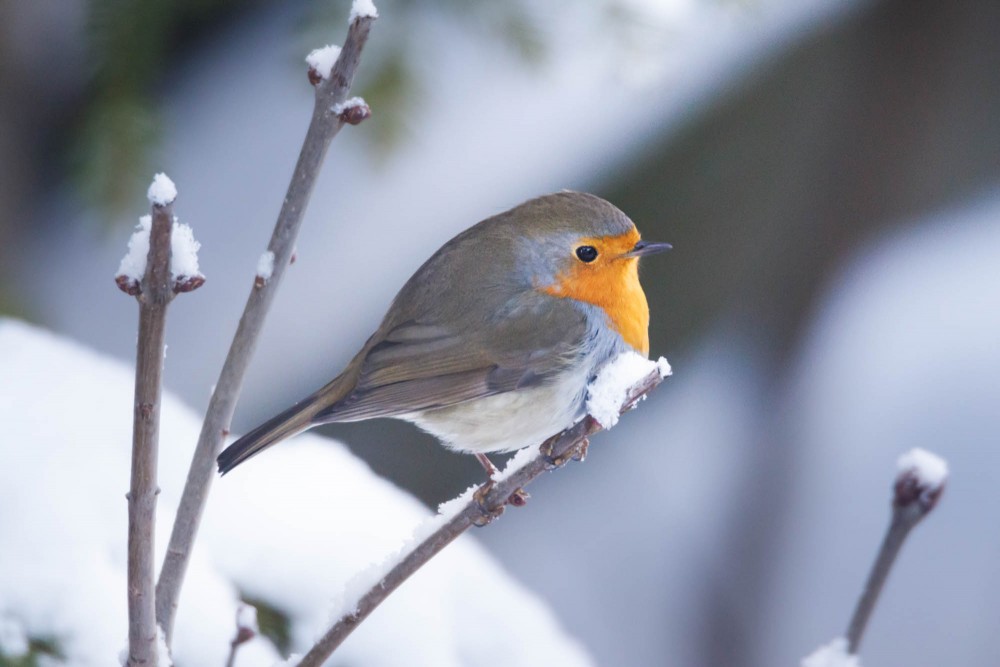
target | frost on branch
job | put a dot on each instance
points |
(321, 62)
(607, 393)
(183, 258)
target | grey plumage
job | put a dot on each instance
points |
(466, 326)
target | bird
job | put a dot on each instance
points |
(491, 344)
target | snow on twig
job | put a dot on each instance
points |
(323, 127)
(154, 295)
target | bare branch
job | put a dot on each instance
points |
(153, 294)
(486, 504)
(915, 494)
(323, 127)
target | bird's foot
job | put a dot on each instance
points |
(577, 452)
(486, 513)
(519, 498)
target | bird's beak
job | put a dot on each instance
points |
(643, 248)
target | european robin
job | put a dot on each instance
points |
(492, 342)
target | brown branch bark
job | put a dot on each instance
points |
(324, 126)
(155, 293)
(486, 504)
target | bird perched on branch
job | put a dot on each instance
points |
(492, 342)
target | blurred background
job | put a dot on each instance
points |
(827, 171)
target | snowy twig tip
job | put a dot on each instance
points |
(183, 259)
(608, 392)
(921, 478)
(362, 9)
(352, 111)
(162, 190)
(321, 62)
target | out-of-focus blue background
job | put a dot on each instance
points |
(829, 175)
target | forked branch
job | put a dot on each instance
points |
(331, 90)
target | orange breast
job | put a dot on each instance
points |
(611, 283)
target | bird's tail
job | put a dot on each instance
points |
(294, 420)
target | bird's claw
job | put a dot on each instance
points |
(577, 452)
(487, 514)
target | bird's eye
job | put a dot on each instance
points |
(586, 253)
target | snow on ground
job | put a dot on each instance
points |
(290, 528)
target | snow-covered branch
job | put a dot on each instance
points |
(480, 506)
(330, 90)
(151, 271)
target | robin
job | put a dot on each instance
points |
(492, 342)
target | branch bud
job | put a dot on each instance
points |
(352, 111)
(184, 284)
(128, 285)
(920, 481)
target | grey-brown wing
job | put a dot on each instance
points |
(416, 366)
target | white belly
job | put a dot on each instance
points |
(509, 421)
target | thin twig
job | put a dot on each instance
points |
(246, 629)
(155, 292)
(914, 496)
(324, 126)
(571, 443)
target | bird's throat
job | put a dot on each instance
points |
(614, 288)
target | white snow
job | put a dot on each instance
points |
(930, 469)
(356, 587)
(609, 389)
(521, 458)
(246, 617)
(133, 264)
(265, 265)
(13, 641)
(183, 252)
(833, 654)
(362, 8)
(341, 107)
(162, 190)
(162, 652)
(322, 60)
(290, 529)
